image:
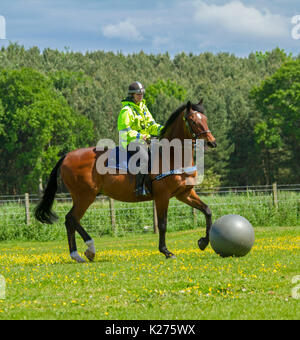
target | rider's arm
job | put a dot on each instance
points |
(153, 127)
(125, 122)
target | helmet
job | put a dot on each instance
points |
(136, 87)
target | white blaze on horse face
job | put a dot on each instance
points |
(199, 115)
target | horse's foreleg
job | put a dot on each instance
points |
(162, 213)
(204, 241)
(192, 199)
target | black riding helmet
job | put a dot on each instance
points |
(136, 87)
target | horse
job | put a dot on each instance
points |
(79, 174)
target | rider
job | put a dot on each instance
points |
(136, 125)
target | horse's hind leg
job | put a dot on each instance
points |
(73, 224)
(71, 229)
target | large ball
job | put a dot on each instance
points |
(231, 235)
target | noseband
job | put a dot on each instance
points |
(190, 123)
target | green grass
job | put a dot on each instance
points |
(131, 218)
(131, 280)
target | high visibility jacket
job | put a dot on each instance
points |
(135, 122)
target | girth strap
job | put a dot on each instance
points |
(175, 172)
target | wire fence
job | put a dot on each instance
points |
(263, 205)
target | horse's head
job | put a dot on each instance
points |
(196, 121)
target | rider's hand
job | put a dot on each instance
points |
(147, 139)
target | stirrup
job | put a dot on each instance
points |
(141, 188)
(141, 191)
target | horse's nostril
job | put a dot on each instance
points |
(212, 144)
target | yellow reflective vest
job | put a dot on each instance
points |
(135, 122)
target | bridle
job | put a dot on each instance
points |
(189, 123)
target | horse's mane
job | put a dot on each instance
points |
(171, 119)
(196, 107)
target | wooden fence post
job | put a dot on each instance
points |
(275, 200)
(194, 214)
(112, 214)
(40, 193)
(155, 222)
(27, 210)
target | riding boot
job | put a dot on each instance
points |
(148, 184)
(139, 184)
(141, 187)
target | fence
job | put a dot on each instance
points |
(262, 205)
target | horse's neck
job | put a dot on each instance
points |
(178, 131)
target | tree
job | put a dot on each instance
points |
(36, 127)
(84, 96)
(164, 97)
(277, 133)
(94, 83)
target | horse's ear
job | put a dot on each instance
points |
(201, 101)
(188, 106)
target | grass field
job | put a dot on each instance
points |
(257, 207)
(131, 280)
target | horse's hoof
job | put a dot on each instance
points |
(89, 255)
(170, 256)
(76, 257)
(203, 243)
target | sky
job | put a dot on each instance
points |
(153, 26)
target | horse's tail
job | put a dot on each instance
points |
(43, 211)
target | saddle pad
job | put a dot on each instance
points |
(118, 158)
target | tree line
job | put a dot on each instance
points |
(52, 102)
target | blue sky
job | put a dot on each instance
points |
(154, 26)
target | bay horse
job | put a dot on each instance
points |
(79, 174)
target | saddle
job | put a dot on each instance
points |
(119, 159)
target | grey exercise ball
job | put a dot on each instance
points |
(231, 235)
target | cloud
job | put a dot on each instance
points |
(124, 30)
(155, 26)
(236, 18)
(161, 41)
